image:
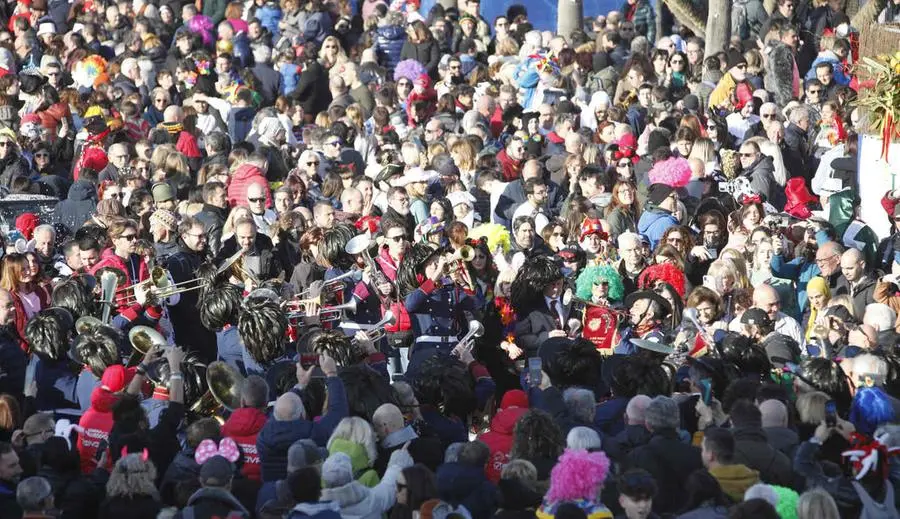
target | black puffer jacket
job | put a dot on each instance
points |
(13, 166)
(427, 53)
(762, 180)
(78, 207)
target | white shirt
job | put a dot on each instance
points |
(787, 325)
(526, 209)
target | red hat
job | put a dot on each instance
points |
(114, 378)
(95, 158)
(514, 398)
(798, 198)
(31, 118)
(591, 226)
(26, 222)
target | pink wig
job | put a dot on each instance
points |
(203, 26)
(577, 475)
(675, 172)
(409, 69)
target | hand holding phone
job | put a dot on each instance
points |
(830, 414)
(535, 371)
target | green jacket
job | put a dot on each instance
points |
(362, 466)
(848, 230)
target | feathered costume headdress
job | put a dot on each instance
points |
(666, 272)
(497, 236)
(527, 289)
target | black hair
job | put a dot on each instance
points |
(754, 509)
(334, 242)
(638, 375)
(537, 435)
(738, 389)
(827, 376)
(720, 442)
(744, 413)
(194, 375)
(703, 488)
(444, 383)
(97, 350)
(128, 415)
(637, 484)
(412, 265)
(220, 306)
(72, 295)
(261, 325)
(576, 365)
(305, 485)
(527, 289)
(740, 351)
(475, 454)
(56, 454)
(47, 337)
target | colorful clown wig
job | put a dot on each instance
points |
(86, 72)
(593, 275)
(409, 69)
(662, 272)
(675, 172)
(870, 408)
(577, 476)
(203, 26)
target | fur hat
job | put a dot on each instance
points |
(337, 470)
(674, 171)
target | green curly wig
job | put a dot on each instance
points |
(591, 274)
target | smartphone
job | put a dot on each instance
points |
(706, 390)
(830, 414)
(535, 371)
(101, 448)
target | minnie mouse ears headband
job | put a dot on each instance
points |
(208, 449)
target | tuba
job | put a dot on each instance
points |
(224, 391)
(143, 339)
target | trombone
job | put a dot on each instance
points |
(325, 313)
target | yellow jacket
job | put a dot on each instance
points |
(721, 95)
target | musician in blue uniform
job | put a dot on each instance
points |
(338, 262)
(438, 307)
(647, 311)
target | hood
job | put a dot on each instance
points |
(102, 400)
(82, 190)
(245, 421)
(391, 32)
(312, 509)
(505, 420)
(763, 163)
(347, 495)
(456, 481)
(357, 453)
(735, 479)
(246, 171)
(516, 496)
(218, 495)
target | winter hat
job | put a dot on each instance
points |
(591, 226)
(735, 58)
(25, 223)
(514, 398)
(162, 192)
(675, 172)
(656, 193)
(337, 470)
(165, 218)
(216, 472)
(691, 103)
(798, 198)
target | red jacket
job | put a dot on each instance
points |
(96, 423)
(500, 439)
(21, 319)
(242, 426)
(245, 175)
(387, 265)
(512, 169)
(110, 259)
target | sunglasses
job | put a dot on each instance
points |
(815, 91)
(397, 239)
(257, 200)
(316, 163)
(748, 155)
(333, 143)
(42, 156)
(623, 165)
(129, 237)
(768, 116)
(4, 144)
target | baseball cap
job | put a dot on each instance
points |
(756, 316)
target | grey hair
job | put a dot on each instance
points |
(45, 227)
(662, 413)
(583, 438)
(451, 455)
(871, 365)
(32, 494)
(798, 114)
(581, 404)
(262, 54)
(880, 316)
(625, 236)
(132, 476)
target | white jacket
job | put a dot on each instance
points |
(360, 502)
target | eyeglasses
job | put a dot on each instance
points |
(257, 200)
(129, 237)
(819, 261)
(333, 143)
(201, 236)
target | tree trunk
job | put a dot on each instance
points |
(569, 17)
(718, 26)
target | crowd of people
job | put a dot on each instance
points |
(356, 260)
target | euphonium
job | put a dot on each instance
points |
(224, 391)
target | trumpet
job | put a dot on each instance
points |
(378, 330)
(476, 330)
(325, 313)
(143, 339)
(322, 290)
(455, 267)
(224, 383)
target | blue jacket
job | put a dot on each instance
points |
(290, 77)
(57, 386)
(448, 430)
(231, 351)
(654, 223)
(389, 42)
(240, 120)
(318, 26)
(269, 15)
(276, 437)
(839, 76)
(438, 311)
(797, 270)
